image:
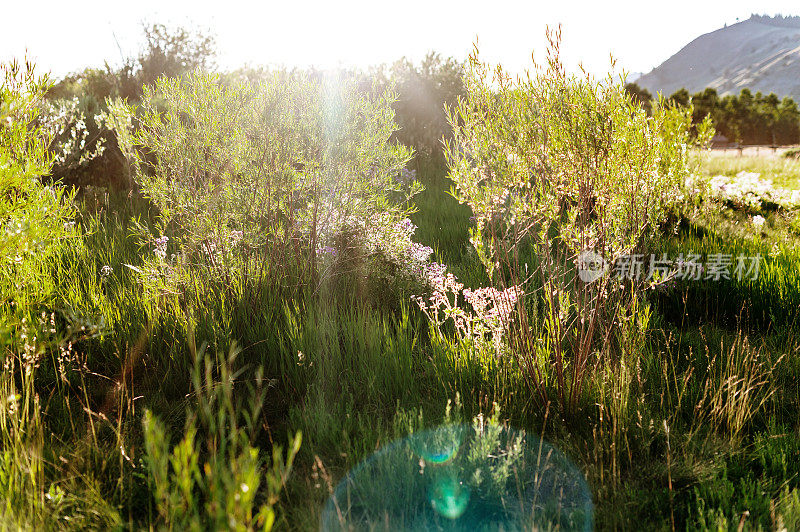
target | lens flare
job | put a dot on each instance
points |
(449, 497)
(437, 446)
(462, 477)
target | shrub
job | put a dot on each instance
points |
(257, 178)
(424, 92)
(36, 219)
(569, 167)
(77, 130)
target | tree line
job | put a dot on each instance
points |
(745, 118)
(422, 90)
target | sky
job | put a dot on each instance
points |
(64, 37)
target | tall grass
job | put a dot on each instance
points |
(125, 406)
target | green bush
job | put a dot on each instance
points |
(566, 167)
(423, 93)
(37, 227)
(36, 219)
(263, 179)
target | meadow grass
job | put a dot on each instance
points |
(238, 403)
(697, 425)
(783, 171)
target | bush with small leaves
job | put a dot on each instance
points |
(285, 165)
(35, 219)
(565, 165)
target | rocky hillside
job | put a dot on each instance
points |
(761, 53)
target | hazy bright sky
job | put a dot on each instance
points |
(67, 36)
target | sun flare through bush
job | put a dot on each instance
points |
(287, 164)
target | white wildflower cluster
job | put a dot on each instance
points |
(484, 324)
(73, 141)
(382, 234)
(160, 247)
(748, 190)
(159, 270)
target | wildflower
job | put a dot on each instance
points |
(12, 404)
(749, 190)
(106, 270)
(758, 221)
(235, 237)
(327, 250)
(435, 273)
(406, 177)
(419, 252)
(406, 226)
(161, 247)
(491, 308)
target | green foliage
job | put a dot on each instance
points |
(745, 118)
(214, 483)
(85, 151)
(782, 171)
(755, 490)
(424, 91)
(36, 219)
(256, 179)
(640, 95)
(33, 496)
(567, 166)
(78, 133)
(678, 405)
(555, 148)
(166, 51)
(769, 301)
(172, 52)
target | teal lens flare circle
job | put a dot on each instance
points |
(462, 477)
(449, 497)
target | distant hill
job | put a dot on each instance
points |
(761, 53)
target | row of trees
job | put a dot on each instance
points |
(422, 90)
(745, 118)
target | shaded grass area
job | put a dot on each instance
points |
(768, 303)
(443, 223)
